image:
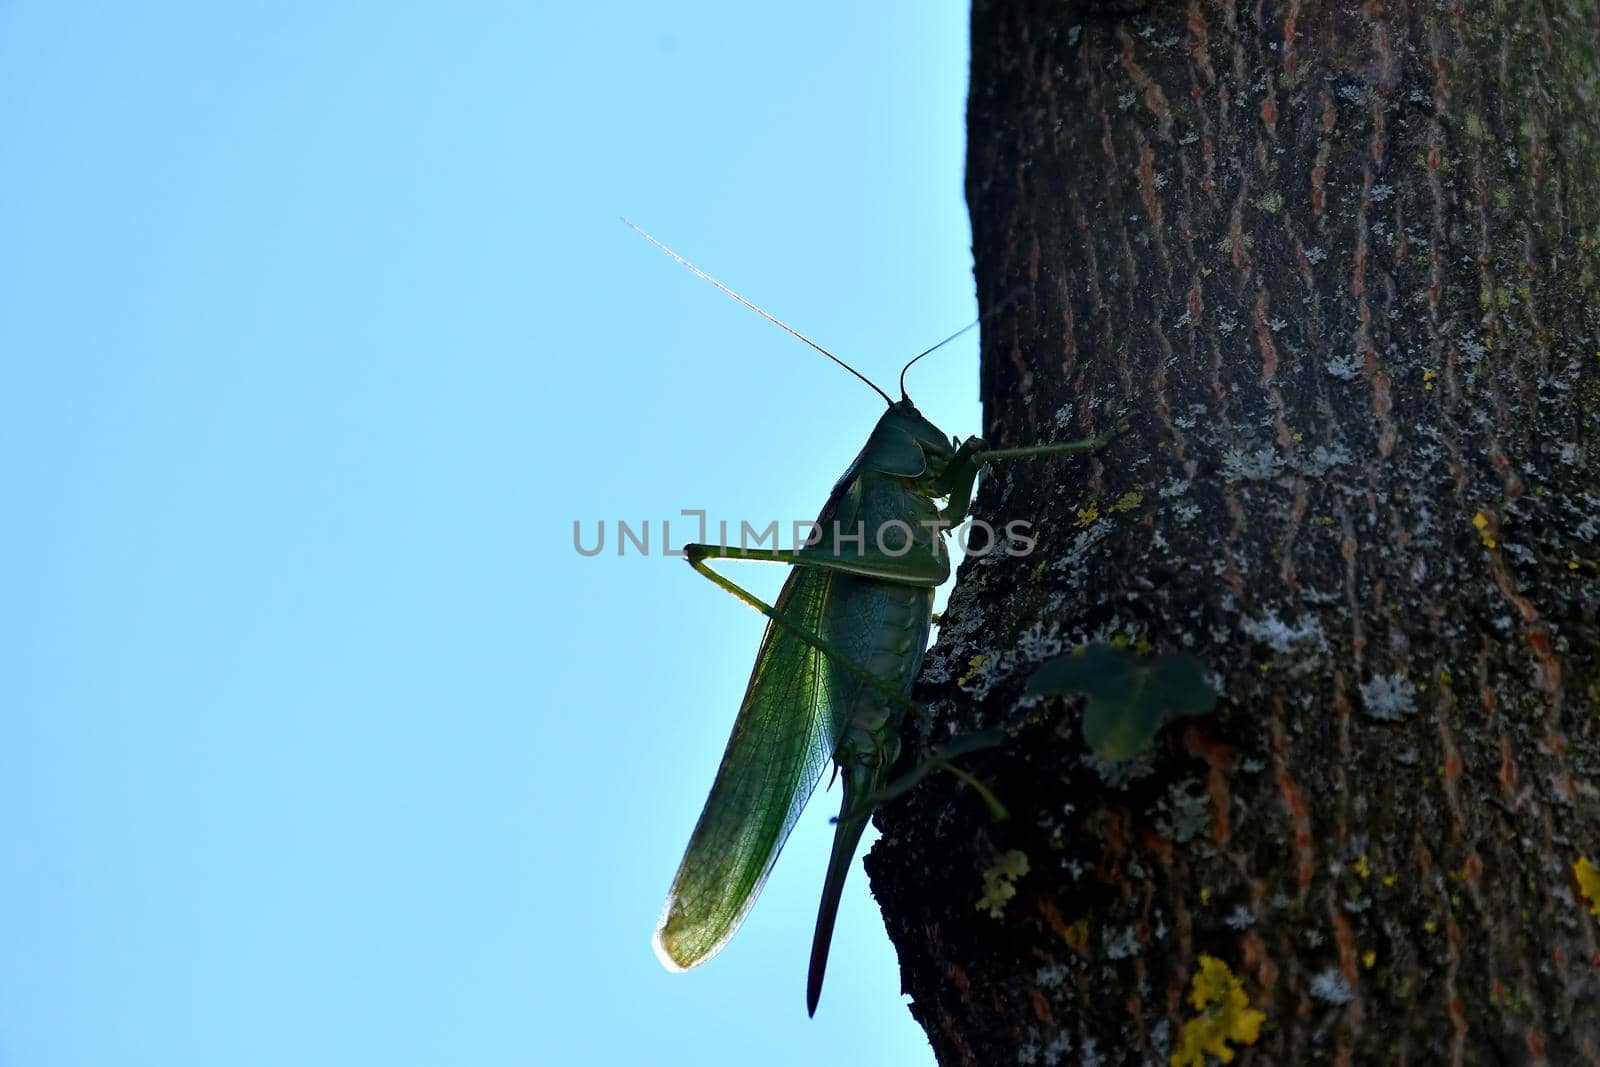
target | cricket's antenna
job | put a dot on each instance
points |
(770, 318)
(1012, 296)
(928, 351)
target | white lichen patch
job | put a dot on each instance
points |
(1056, 974)
(1116, 773)
(1281, 636)
(1058, 1047)
(1588, 527)
(1251, 464)
(1185, 812)
(1388, 697)
(1161, 1039)
(1322, 459)
(1040, 641)
(1079, 552)
(1331, 986)
(1121, 944)
(1345, 367)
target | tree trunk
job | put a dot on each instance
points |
(1340, 266)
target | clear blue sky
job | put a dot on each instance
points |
(319, 743)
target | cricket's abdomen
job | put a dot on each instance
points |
(883, 627)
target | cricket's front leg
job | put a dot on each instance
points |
(961, 473)
(1091, 444)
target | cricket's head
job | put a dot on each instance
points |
(934, 442)
(906, 444)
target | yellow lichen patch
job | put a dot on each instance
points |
(1225, 1016)
(1431, 927)
(1480, 521)
(1127, 502)
(974, 665)
(1088, 515)
(1389, 880)
(1013, 864)
(1588, 876)
(1000, 883)
(1077, 935)
(1427, 379)
(1368, 958)
(1362, 867)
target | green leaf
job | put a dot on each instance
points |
(1129, 696)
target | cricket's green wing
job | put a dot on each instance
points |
(782, 741)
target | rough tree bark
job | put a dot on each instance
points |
(1340, 264)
